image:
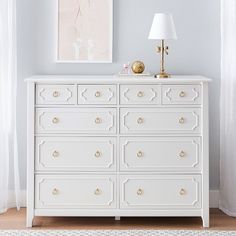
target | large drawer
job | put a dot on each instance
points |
(73, 153)
(76, 120)
(96, 94)
(160, 192)
(160, 154)
(74, 191)
(160, 120)
(55, 94)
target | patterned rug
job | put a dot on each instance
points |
(114, 233)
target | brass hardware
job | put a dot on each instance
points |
(98, 120)
(55, 120)
(55, 191)
(55, 154)
(98, 94)
(182, 192)
(97, 154)
(140, 94)
(56, 94)
(181, 120)
(140, 192)
(182, 94)
(139, 154)
(97, 191)
(182, 154)
(140, 120)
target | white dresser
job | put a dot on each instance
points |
(113, 146)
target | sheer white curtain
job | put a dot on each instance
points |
(228, 108)
(9, 175)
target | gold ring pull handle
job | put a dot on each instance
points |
(140, 154)
(98, 120)
(140, 192)
(182, 94)
(55, 154)
(140, 120)
(140, 94)
(98, 192)
(98, 94)
(182, 192)
(98, 154)
(55, 191)
(55, 120)
(56, 94)
(181, 120)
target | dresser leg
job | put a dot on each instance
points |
(205, 222)
(29, 221)
(117, 218)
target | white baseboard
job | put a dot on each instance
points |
(214, 199)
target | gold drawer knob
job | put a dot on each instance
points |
(181, 120)
(98, 94)
(55, 191)
(55, 120)
(140, 120)
(98, 154)
(98, 120)
(182, 154)
(98, 191)
(140, 192)
(140, 94)
(182, 94)
(140, 154)
(55, 154)
(56, 94)
(182, 192)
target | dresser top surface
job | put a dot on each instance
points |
(115, 79)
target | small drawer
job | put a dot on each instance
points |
(73, 153)
(160, 192)
(55, 94)
(76, 120)
(181, 94)
(160, 120)
(96, 94)
(160, 154)
(140, 94)
(74, 191)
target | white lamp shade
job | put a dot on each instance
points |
(163, 27)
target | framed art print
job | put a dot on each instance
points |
(85, 31)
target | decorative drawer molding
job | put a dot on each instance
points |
(160, 154)
(160, 191)
(75, 191)
(74, 153)
(55, 94)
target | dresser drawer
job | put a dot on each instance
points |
(96, 94)
(160, 192)
(140, 94)
(155, 120)
(73, 153)
(55, 94)
(160, 154)
(72, 191)
(76, 120)
(181, 94)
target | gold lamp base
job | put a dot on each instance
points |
(162, 76)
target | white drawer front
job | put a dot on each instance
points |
(181, 94)
(154, 120)
(160, 192)
(160, 154)
(71, 191)
(55, 94)
(96, 94)
(140, 94)
(77, 120)
(72, 153)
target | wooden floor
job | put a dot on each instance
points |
(16, 220)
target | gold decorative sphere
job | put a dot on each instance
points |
(138, 67)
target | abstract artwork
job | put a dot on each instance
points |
(85, 29)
